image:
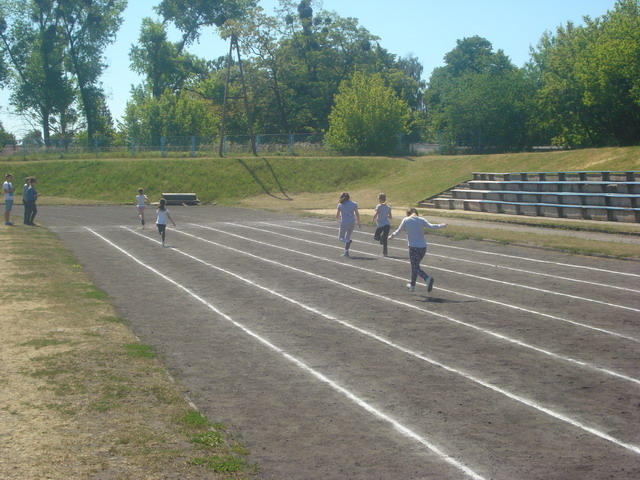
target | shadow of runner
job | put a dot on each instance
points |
(264, 187)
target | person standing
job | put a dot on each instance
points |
(7, 186)
(25, 187)
(141, 201)
(162, 214)
(382, 217)
(414, 226)
(30, 202)
(348, 215)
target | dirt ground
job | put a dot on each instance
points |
(521, 364)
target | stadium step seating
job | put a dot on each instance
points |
(590, 195)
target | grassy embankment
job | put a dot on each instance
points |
(310, 186)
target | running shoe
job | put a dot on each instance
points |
(429, 284)
(412, 288)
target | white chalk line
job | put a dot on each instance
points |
(351, 396)
(378, 272)
(487, 279)
(504, 255)
(405, 304)
(468, 376)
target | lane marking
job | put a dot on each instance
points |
(488, 279)
(472, 378)
(405, 304)
(377, 272)
(516, 257)
(348, 394)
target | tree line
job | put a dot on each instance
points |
(305, 69)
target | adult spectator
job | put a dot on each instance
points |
(30, 202)
(7, 186)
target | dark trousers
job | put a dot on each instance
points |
(30, 211)
(382, 235)
(416, 254)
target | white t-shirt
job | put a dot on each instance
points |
(141, 199)
(9, 190)
(347, 211)
(161, 216)
(414, 226)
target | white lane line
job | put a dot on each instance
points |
(493, 265)
(377, 272)
(517, 398)
(500, 336)
(348, 394)
(476, 277)
(515, 257)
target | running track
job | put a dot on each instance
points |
(520, 364)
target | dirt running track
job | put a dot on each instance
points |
(520, 364)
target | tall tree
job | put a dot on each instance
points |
(479, 98)
(88, 27)
(40, 87)
(589, 80)
(163, 63)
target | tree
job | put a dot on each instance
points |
(163, 63)
(479, 98)
(589, 80)
(367, 117)
(87, 28)
(40, 86)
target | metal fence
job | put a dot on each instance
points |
(292, 144)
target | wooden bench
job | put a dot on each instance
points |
(541, 209)
(181, 198)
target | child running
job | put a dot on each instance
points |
(141, 201)
(382, 217)
(162, 214)
(414, 226)
(348, 215)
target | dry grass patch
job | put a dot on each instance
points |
(80, 396)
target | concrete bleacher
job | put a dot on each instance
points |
(590, 195)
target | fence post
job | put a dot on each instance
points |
(132, 143)
(95, 143)
(257, 143)
(224, 145)
(163, 151)
(291, 152)
(193, 146)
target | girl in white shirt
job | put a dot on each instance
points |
(348, 215)
(414, 226)
(141, 201)
(162, 214)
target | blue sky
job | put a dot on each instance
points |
(427, 29)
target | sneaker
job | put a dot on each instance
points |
(429, 284)
(346, 253)
(412, 288)
(8, 223)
